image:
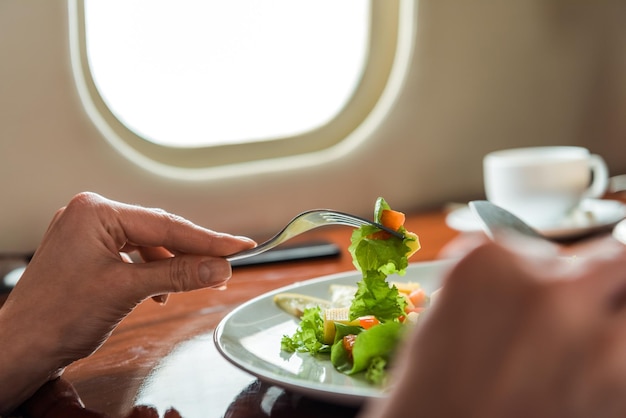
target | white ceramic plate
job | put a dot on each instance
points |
(249, 337)
(593, 215)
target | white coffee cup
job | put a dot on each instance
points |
(543, 185)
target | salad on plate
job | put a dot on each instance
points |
(360, 326)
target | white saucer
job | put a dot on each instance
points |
(592, 215)
(619, 232)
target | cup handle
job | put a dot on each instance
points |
(600, 177)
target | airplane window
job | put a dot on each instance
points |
(188, 83)
(199, 72)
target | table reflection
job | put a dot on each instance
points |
(264, 400)
(195, 381)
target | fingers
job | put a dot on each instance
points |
(129, 225)
(600, 389)
(601, 246)
(57, 399)
(156, 228)
(598, 274)
(56, 216)
(152, 254)
(176, 274)
(163, 270)
(179, 255)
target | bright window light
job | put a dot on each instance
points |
(190, 73)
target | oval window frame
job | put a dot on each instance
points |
(184, 162)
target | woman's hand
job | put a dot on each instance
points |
(515, 333)
(80, 285)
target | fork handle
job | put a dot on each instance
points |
(310, 250)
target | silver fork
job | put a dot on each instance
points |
(307, 221)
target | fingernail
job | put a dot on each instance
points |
(214, 272)
(247, 239)
(220, 286)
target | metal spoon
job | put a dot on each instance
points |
(498, 222)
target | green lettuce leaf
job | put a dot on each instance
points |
(376, 344)
(376, 259)
(377, 371)
(309, 335)
(387, 256)
(376, 297)
(339, 356)
(380, 205)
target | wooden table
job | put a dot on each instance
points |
(163, 357)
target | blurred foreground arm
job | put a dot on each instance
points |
(519, 335)
(78, 286)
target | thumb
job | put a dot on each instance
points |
(180, 274)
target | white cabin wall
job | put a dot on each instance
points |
(484, 75)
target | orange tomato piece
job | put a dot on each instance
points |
(416, 309)
(418, 297)
(367, 322)
(348, 343)
(392, 219)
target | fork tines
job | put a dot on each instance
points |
(344, 218)
(356, 221)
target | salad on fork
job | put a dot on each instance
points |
(362, 331)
